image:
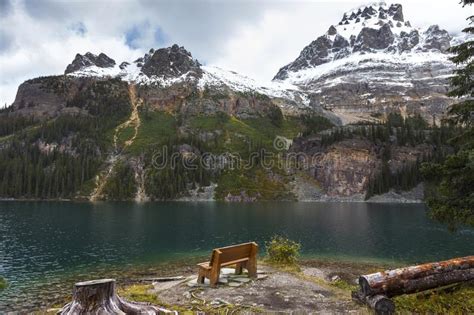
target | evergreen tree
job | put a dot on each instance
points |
(451, 193)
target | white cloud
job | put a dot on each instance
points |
(255, 38)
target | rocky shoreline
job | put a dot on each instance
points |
(313, 284)
(321, 285)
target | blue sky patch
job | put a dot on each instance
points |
(131, 35)
(78, 28)
(160, 37)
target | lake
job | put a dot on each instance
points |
(44, 243)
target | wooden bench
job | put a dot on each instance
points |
(242, 256)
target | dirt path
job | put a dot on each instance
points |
(133, 121)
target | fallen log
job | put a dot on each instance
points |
(381, 304)
(417, 278)
(100, 297)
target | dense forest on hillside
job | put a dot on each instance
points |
(55, 158)
(60, 158)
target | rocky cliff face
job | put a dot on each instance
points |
(53, 96)
(345, 168)
(47, 97)
(374, 62)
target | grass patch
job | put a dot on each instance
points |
(290, 127)
(139, 293)
(344, 285)
(209, 123)
(125, 134)
(143, 293)
(156, 128)
(238, 134)
(262, 130)
(458, 299)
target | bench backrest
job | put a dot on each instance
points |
(234, 252)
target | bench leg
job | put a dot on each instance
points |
(202, 275)
(252, 267)
(214, 276)
(238, 268)
(200, 278)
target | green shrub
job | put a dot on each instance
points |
(3, 283)
(281, 250)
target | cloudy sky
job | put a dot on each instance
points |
(255, 38)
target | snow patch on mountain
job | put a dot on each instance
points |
(365, 61)
(217, 77)
(95, 71)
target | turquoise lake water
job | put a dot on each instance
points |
(42, 243)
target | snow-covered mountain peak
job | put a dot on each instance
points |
(373, 16)
(371, 29)
(81, 62)
(169, 62)
(164, 66)
(379, 10)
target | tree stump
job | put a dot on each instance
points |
(100, 297)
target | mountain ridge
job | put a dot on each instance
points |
(373, 51)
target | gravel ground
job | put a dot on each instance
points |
(276, 290)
